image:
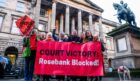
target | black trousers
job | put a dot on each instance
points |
(83, 78)
(29, 66)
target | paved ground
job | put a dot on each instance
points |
(117, 79)
(104, 79)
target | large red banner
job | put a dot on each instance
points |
(67, 58)
(25, 24)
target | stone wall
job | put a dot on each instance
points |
(7, 40)
(128, 61)
(137, 62)
(135, 42)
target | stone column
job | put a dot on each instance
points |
(57, 26)
(73, 24)
(90, 23)
(100, 29)
(36, 13)
(67, 19)
(93, 24)
(61, 23)
(53, 15)
(49, 19)
(79, 22)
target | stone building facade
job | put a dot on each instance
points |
(64, 15)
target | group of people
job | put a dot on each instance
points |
(31, 41)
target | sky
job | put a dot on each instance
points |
(109, 10)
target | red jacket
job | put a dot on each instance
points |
(33, 42)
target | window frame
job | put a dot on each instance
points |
(1, 25)
(111, 42)
(45, 25)
(12, 27)
(23, 11)
(44, 12)
(4, 3)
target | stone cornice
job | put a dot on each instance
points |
(80, 7)
(124, 28)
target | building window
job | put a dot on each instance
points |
(121, 44)
(20, 7)
(109, 43)
(42, 27)
(15, 29)
(3, 3)
(42, 12)
(1, 21)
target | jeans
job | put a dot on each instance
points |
(29, 66)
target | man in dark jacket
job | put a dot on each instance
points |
(74, 37)
(60, 38)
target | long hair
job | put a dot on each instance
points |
(88, 38)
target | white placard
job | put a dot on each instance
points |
(122, 44)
